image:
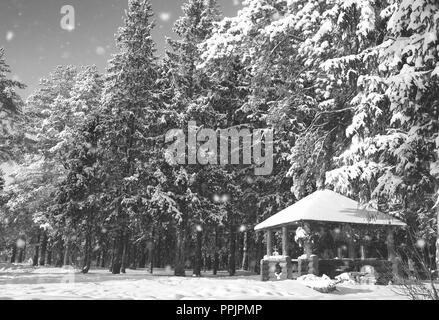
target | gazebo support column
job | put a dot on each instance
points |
(269, 242)
(351, 248)
(307, 247)
(284, 241)
(351, 243)
(391, 253)
(363, 252)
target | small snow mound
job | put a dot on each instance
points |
(322, 284)
(343, 277)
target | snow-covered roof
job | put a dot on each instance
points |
(327, 205)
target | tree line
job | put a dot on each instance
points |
(349, 89)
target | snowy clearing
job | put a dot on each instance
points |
(24, 282)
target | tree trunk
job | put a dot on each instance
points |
(232, 249)
(159, 251)
(244, 265)
(259, 252)
(151, 255)
(216, 252)
(37, 250)
(21, 254)
(437, 242)
(49, 256)
(14, 253)
(180, 253)
(59, 249)
(125, 253)
(42, 261)
(198, 254)
(87, 256)
(66, 260)
(144, 250)
(118, 252)
(134, 257)
(104, 257)
(98, 258)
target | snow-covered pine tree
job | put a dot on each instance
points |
(132, 120)
(54, 115)
(186, 96)
(393, 156)
(251, 73)
(11, 106)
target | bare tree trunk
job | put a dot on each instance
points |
(216, 252)
(37, 250)
(98, 258)
(124, 254)
(59, 250)
(232, 249)
(118, 252)
(49, 256)
(151, 254)
(42, 261)
(134, 255)
(87, 256)
(198, 254)
(244, 265)
(113, 251)
(259, 252)
(14, 252)
(180, 253)
(66, 260)
(104, 257)
(144, 250)
(22, 253)
(159, 251)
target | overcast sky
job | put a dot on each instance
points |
(35, 43)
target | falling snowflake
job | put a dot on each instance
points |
(100, 51)
(420, 243)
(10, 35)
(21, 243)
(65, 55)
(165, 16)
(225, 198)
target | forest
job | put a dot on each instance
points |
(350, 89)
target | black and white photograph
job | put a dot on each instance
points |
(219, 150)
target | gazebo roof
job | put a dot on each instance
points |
(328, 206)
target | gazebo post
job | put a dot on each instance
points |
(391, 253)
(307, 244)
(363, 252)
(351, 244)
(269, 246)
(284, 240)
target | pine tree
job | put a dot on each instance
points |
(186, 89)
(11, 106)
(131, 122)
(393, 155)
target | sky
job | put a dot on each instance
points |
(35, 42)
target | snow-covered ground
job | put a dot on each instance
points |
(24, 282)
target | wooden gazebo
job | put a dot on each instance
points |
(326, 206)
